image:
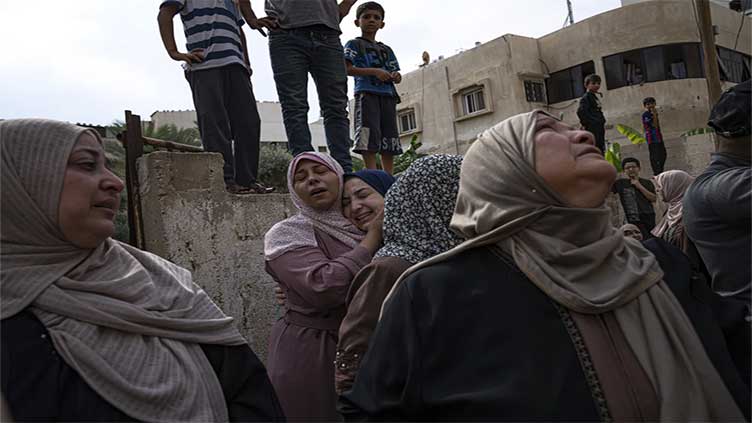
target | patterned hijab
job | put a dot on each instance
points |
(298, 231)
(127, 321)
(672, 185)
(579, 260)
(418, 208)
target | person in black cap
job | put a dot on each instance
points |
(717, 206)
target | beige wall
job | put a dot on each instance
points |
(504, 63)
(499, 65)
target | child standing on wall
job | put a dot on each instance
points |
(653, 135)
(376, 70)
(590, 113)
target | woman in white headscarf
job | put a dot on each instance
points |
(94, 329)
(546, 312)
(313, 255)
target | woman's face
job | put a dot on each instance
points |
(90, 199)
(361, 203)
(631, 231)
(570, 164)
(316, 185)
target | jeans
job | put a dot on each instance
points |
(294, 54)
(227, 117)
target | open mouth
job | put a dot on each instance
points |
(317, 192)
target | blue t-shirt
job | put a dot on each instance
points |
(366, 54)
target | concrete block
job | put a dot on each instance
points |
(191, 220)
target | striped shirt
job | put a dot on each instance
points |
(652, 128)
(214, 26)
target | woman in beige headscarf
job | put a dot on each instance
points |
(546, 312)
(94, 329)
(671, 186)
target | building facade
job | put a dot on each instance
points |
(645, 48)
(272, 125)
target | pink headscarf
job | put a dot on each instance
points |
(672, 185)
(298, 231)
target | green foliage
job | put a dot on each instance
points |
(401, 162)
(698, 131)
(613, 155)
(633, 136)
(273, 162)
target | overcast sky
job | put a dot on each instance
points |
(88, 60)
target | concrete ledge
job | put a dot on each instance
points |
(690, 154)
(191, 220)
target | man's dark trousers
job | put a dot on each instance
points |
(226, 112)
(294, 54)
(599, 133)
(657, 152)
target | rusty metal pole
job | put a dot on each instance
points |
(134, 148)
(709, 54)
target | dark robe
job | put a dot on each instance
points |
(39, 386)
(368, 291)
(472, 338)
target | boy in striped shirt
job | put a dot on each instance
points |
(218, 71)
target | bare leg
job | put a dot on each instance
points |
(369, 159)
(387, 163)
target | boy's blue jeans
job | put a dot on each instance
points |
(294, 54)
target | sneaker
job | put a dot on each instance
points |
(258, 188)
(234, 188)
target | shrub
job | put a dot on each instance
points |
(273, 162)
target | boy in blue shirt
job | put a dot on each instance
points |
(653, 135)
(376, 70)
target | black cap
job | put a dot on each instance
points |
(730, 117)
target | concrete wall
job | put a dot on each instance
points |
(690, 154)
(192, 221)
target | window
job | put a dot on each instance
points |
(733, 66)
(651, 64)
(407, 121)
(322, 149)
(568, 83)
(534, 92)
(473, 101)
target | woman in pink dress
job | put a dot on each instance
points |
(314, 256)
